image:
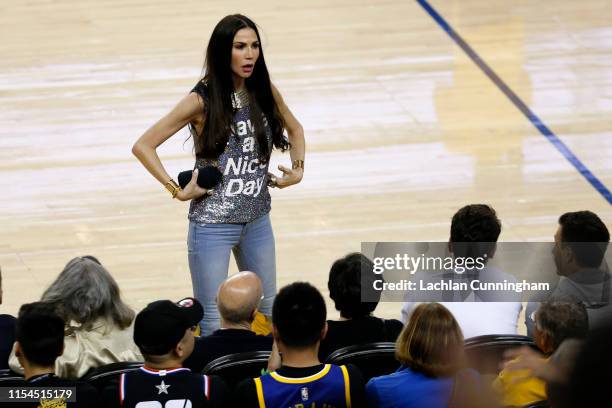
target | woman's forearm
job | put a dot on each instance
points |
(145, 148)
(298, 144)
(147, 155)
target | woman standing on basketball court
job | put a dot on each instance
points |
(236, 117)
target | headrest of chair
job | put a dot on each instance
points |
(236, 359)
(365, 349)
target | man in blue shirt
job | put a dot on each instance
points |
(298, 317)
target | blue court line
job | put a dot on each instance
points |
(533, 118)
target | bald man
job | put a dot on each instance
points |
(238, 299)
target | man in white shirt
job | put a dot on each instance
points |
(478, 226)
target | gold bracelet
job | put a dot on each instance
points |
(297, 164)
(172, 187)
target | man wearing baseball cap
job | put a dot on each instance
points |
(164, 333)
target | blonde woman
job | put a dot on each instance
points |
(430, 348)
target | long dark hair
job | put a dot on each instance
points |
(218, 109)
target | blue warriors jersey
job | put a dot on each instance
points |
(329, 388)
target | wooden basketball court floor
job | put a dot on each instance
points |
(402, 128)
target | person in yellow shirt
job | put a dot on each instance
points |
(555, 321)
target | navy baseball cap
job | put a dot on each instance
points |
(161, 325)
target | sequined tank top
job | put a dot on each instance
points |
(242, 195)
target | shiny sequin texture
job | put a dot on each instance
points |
(242, 195)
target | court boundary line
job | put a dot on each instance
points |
(518, 102)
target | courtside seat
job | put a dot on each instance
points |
(486, 353)
(234, 368)
(103, 376)
(372, 359)
(7, 376)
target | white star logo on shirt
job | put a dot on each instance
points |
(162, 388)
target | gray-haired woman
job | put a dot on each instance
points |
(98, 323)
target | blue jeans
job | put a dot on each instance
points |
(209, 247)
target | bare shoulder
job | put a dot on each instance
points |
(192, 107)
(195, 101)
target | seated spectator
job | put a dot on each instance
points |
(356, 324)
(298, 318)
(478, 223)
(581, 241)
(238, 300)
(40, 340)
(556, 321)
(7, 333)
(98, 323)
(578, 378)
(164, 332)
(430, 348)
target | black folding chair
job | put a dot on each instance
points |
(372, 359)
(234, 368)
(486, 353)
(103, 376)
(8, 377)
